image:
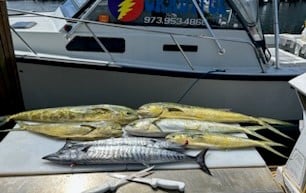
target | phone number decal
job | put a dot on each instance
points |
(173, 21)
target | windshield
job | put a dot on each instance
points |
(248, 12)
(71, 7)
(168, 13)
(248, 9)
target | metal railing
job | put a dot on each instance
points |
(138, 28)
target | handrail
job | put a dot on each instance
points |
(276, 34)
(221, 49)
(182, 52)
(99, 42)
(27, 45)
(84, 16)
(138, 28)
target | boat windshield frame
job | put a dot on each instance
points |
(247, 12)
(75, 8)
(251, 23)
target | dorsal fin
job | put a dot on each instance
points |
(173, 109)
(85, 149)
(101, 109)
(153, 140)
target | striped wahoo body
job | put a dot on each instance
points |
(119, 154)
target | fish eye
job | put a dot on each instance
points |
(132, 123)
(69, 146)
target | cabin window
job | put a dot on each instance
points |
(89, 44)
(175, 48)
(70, 7)
(167, 13)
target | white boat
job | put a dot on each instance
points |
(210, 53)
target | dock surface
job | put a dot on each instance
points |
(227, 180)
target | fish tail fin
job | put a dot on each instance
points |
(266, 145)
(4, 120)
(275, 121)
(8, 130)
(201, 161)
(274, 130)
(22, 124)
(5, 130)
(272, 143)
(253, 133)
(69, 144)
(256, 128)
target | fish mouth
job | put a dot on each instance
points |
(51, 157)
(169, 136)
(142, 113)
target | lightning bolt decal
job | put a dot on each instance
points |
(125, 7)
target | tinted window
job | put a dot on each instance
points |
(169, 13)
(185, 48)
(89, 44)
(71, 7)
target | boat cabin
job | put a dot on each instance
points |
(181, 35)
(208, 53)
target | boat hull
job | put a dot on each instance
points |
(52, 84)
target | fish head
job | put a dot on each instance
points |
(65, 155)
(112, 130)
(143, 127)
(150, 110)
(178, 138)
(116, 113)
(129, 114)
(59, 157)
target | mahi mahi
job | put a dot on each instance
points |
(75, 131)
(106, 112)
(127, 141)
(174, 110)
(155, 127)
(220, 141)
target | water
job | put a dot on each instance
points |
(34, 5)
(291, 16)
(291, 13)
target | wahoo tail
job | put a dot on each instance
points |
(201, 161)
(267, 145)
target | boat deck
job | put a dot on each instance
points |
(42, 24)
(287, 59)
